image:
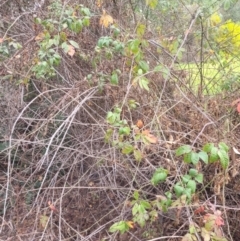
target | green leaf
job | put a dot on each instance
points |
(135, 209)
(199, 178)
(178, 190)
(208, 147)
(143, 65)
(192, 185)
(158, 68)
(145, 204)
(186, 178)
(193, 172)
(127, 149)
(86, 21)
(114, 79)
(213, 155)
(141, 29)
(188, 192)
(65, 47)
(124, 130)
(183, 150)
(136, 195)
(85, 11)
(138, 155)
(74, 44)
(187, 158)
(194, 158)
(111, 117)
(108, 135)
(203, 156)
(224, 158)
(158, 177)
(143, 83)
(121, 226)
(141, 219)
(223, 146)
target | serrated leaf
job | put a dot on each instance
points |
(136, 195)
(145, 204)
(121, 226)
(193, 172)
(135, 209)
(149, 137)
(127, 149)
(213, 155)
(178, 190)
(138, 155)
(223, 146)
(124, 130)
(143, 65)
(186, 178)
(183, 150)
(224, 158)
(194, 158)
(203, 156)
(192, 185)
(74, 44)
(199, 178)
(143, 83)
(158, 177)
(208, 147)
(187, 192)
(187, 158)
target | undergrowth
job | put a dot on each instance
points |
(119, 124)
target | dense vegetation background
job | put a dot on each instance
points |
(119, 120)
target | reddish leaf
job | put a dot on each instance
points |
(149, 137)
(199, 210)
(238, 107)
(139, 124)
(51, 206)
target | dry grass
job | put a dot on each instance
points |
(60, 180)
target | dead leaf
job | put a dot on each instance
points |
(43, 220)
(105, 20)
(40, 36)
(71, 50)
(140, 124)
(149, 137)
(130, 224)
(51, 206)
(199, 210)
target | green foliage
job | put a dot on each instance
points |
(159, 175)
(121, 226)
(209, 154)
(72, 19)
